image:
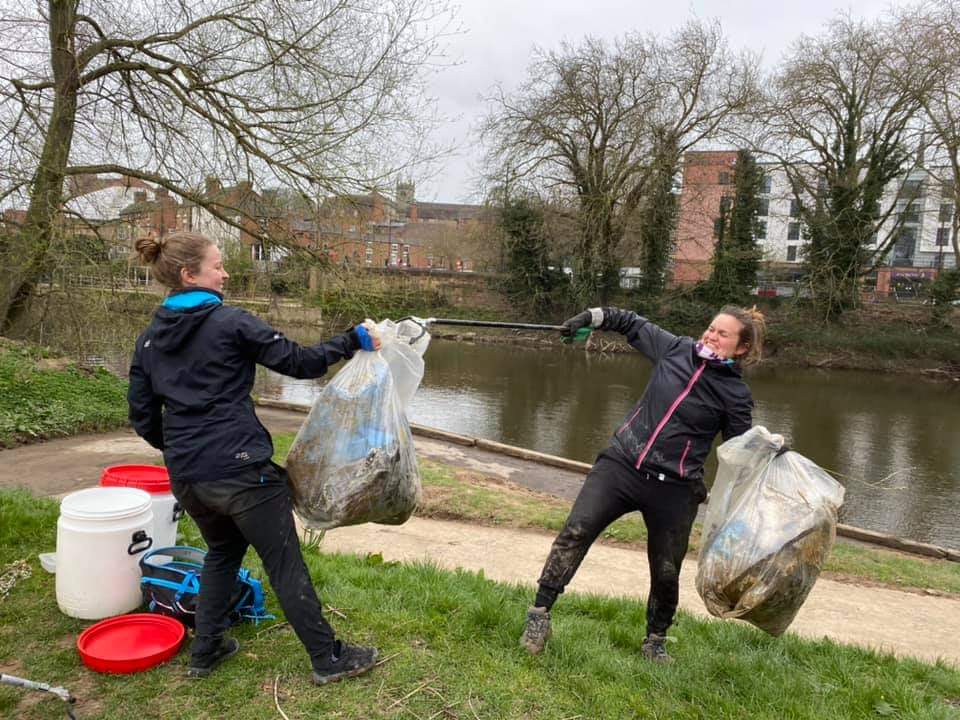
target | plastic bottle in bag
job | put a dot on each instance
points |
(353, 460)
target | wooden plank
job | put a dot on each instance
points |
(437, 434)
(890, 541)
(533, 456)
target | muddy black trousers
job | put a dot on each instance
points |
(254, 508)
(612, 489)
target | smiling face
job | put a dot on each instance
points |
(723, 337)
(210, 274)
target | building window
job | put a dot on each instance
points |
(910, 214)
(761, 230)
(794, 208)
(724, 178)
(765, 183)
(943, 236)
(903, 249)
(912, 189)
(763, 207)
(946, 212)
(726, 202)
(791, 253)
(368, 254)
(257, 252)
(793, 231)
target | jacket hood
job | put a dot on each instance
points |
(181, 315)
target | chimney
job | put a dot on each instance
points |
(212, 185)
(245, 186)
(412, 213)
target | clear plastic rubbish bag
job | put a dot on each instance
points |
(353, 459)
(770, 524)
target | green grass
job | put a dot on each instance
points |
(38, 403)
(451, 642)
(450, 493)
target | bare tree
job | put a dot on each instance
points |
(308, 95)
(841, 118)
(594, 118)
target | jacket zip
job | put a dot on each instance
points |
(673, 408)
(684, 457)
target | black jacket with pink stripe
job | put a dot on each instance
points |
(688, 400)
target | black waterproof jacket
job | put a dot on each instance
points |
(688, 400)
(191, 376)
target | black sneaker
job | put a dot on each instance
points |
(653, 648)
(536, 631)
(203, 665)
(345, 661)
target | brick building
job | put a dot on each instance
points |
(919, 225)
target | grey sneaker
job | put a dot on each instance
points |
(537, 630)
(654, 649)
(345, 661)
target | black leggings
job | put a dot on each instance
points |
(254, 508)
(611, 490)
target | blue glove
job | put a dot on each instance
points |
(366, 342)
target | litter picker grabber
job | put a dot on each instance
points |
(60, 692)
(580, 336)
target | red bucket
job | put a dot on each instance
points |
(130, 643)
(153, 478)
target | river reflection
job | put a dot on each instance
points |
(893, 440)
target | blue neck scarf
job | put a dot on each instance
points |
(191, 299)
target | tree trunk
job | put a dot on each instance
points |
(28, 248)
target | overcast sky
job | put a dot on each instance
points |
(498, 36)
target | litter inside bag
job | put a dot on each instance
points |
(769, 527)
(353, 460)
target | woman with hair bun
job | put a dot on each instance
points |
(190, 380)
(654, 463)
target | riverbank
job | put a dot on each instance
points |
(44, 395)
(878, 337)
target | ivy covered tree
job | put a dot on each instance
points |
(737, 255)
(658, 218)
(531, 280)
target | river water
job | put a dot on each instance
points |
(893, 441)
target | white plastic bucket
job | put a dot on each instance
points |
(101, 533)
(155, 480)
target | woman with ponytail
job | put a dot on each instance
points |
(190, 380)
(654, 463)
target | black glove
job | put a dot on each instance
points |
(570, 327)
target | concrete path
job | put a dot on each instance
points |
(907, 624)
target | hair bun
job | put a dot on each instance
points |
(149, 249)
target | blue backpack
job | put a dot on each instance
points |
(170, 585)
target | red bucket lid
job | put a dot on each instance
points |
(130, 643)
(152, 478)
